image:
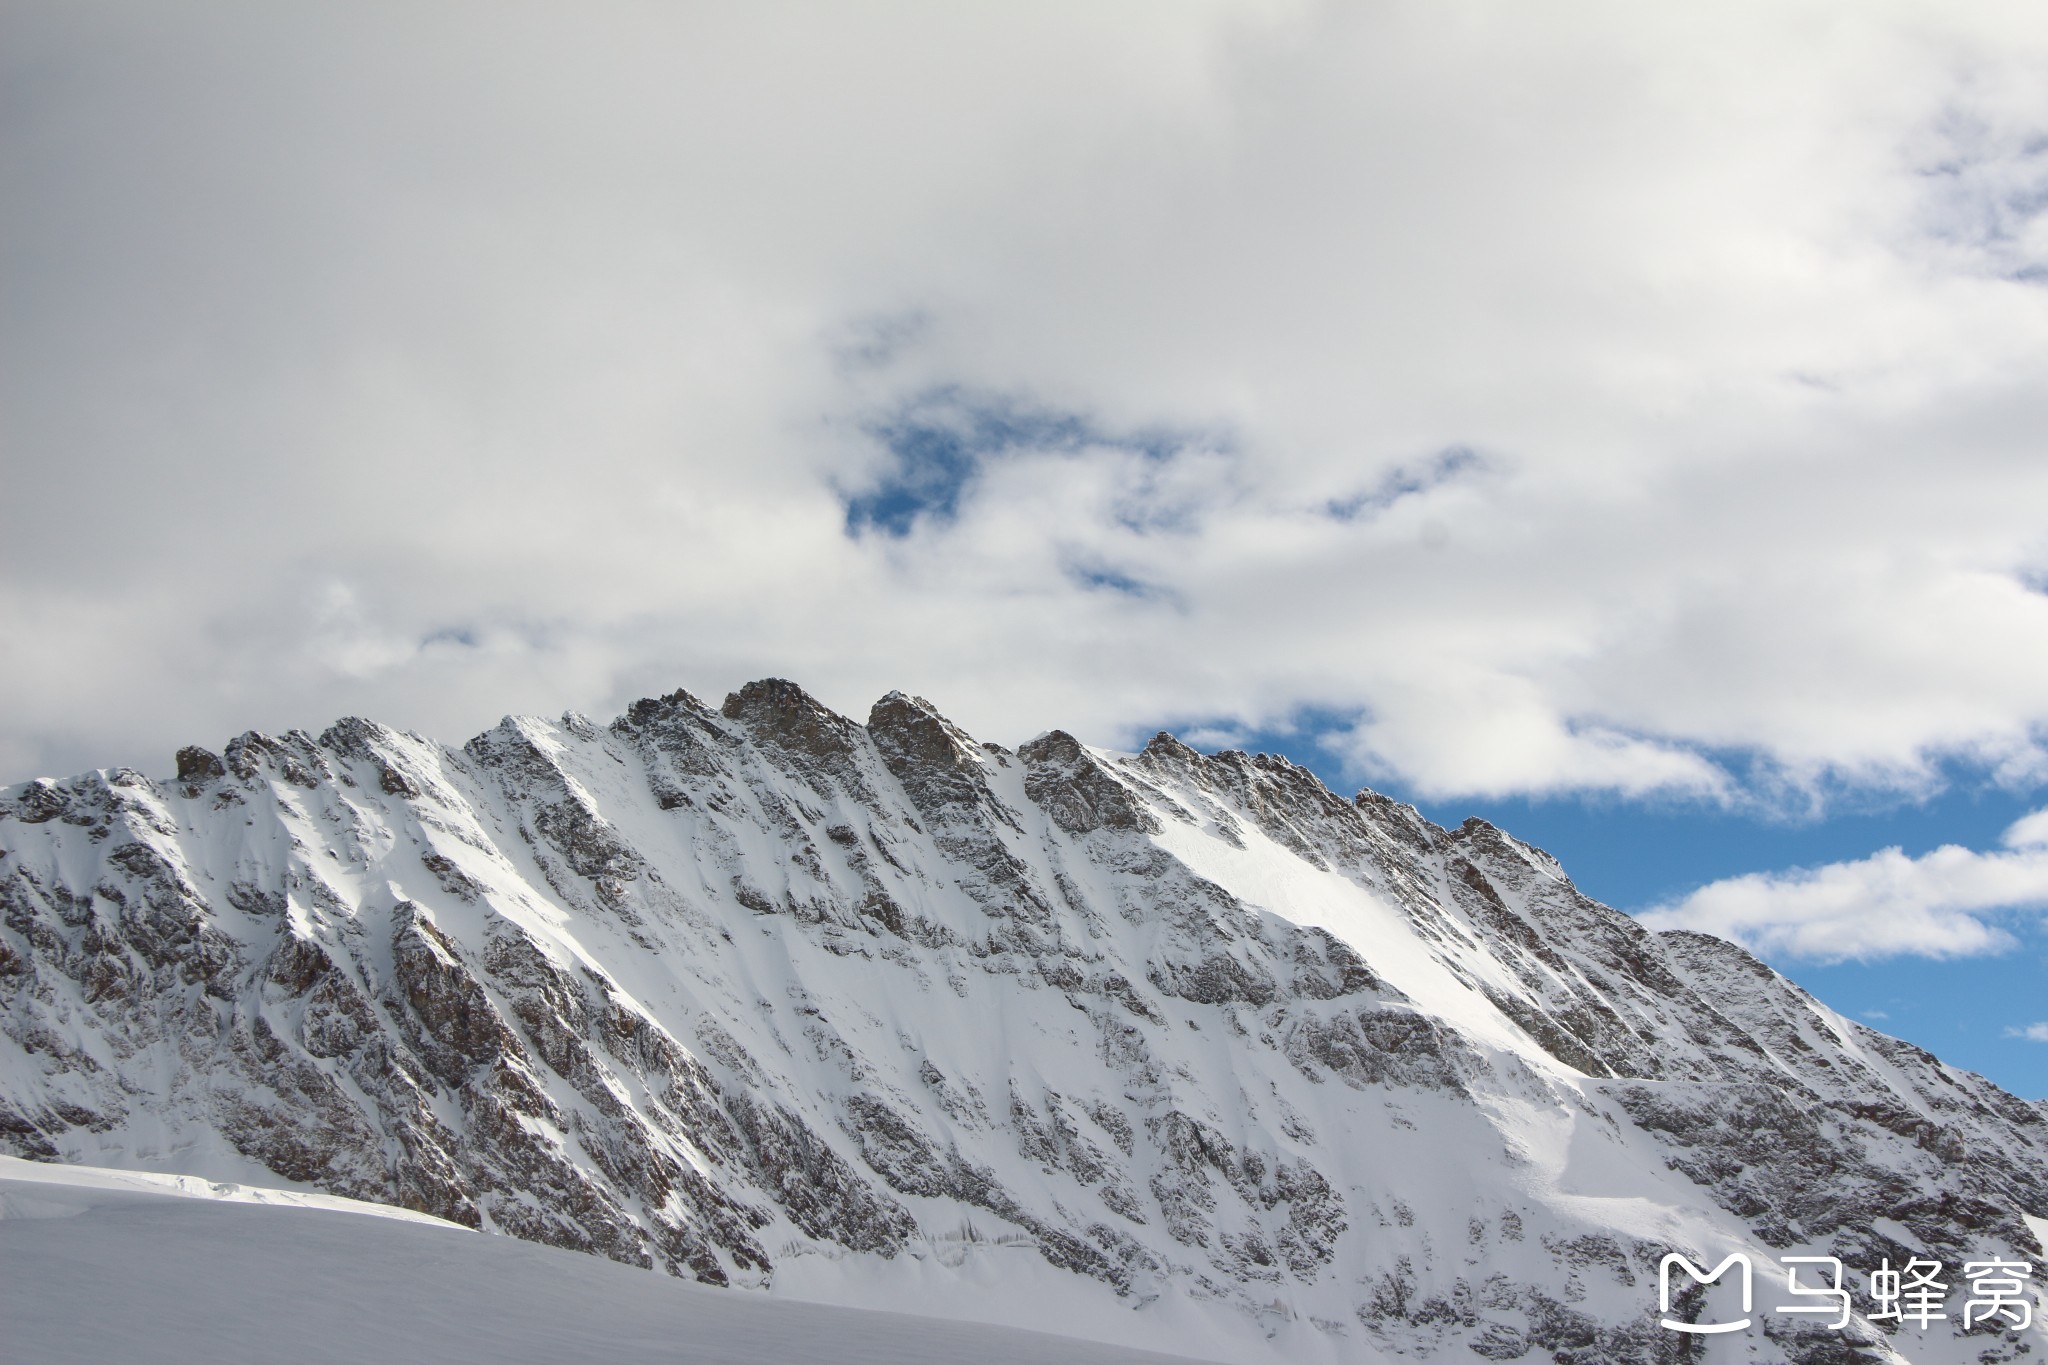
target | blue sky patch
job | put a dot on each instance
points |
(1405, 481)
(1103, 578)
(939, 442)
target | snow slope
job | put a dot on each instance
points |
(1176, 1050)
(99, 1265)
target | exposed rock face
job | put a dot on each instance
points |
(717, 990)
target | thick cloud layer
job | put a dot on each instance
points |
(1617, 397)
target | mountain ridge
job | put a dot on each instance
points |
(760, 994)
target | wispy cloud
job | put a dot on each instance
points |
(1986, 188)
(2033, 1033)
(1938, 905)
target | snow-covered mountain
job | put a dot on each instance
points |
(1176, 1050)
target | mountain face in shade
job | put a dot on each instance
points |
(1180, 1048)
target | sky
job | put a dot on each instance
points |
(1624, 422)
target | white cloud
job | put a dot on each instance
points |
(357, 361)
(1887, 905)
(2028, 832)
(2036, 1033)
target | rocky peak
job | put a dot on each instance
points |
(34, 803)
(296, 757)
(653, 712)
(1397, 820)
(383, 751)
(1482, 839)
(1167, 749)
(198, 766)
(937, 762)
(778, 712)
(1076, 789)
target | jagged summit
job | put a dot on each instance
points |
(763, 996)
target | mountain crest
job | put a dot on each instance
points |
(760, 995)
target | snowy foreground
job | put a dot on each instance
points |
(1167, 1050)
(101, 1266)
